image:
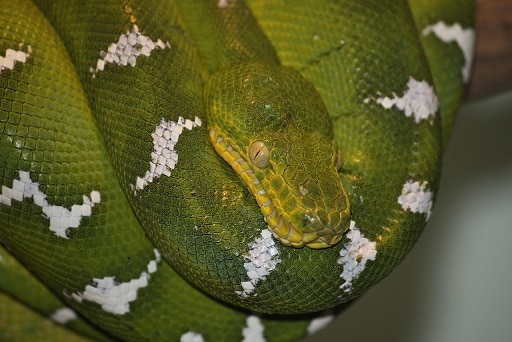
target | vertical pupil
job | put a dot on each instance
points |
(258, 154)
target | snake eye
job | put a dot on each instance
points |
(339, 160)
(258, 154)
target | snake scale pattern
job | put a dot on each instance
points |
(218, 170)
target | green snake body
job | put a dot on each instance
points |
(203, 169)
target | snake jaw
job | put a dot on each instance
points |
(291, 236)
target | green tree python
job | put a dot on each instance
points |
(214, 170)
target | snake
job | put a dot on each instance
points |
(218, 170)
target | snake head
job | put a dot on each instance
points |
(272, 127)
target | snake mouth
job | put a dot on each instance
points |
(289, 235)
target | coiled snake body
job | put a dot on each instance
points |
(200, 169)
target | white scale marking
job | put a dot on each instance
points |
(191, 336)
(418, 100)
(354, 255)
(63, 315)
(115, 297)
(254, 330)
(465, 39)
(263, 257)
(416, 198)
(12, 57)
(164, 156)
(61, 218)
(127, 49)
(319, 323)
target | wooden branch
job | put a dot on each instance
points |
(492, 69)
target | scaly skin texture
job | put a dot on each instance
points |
(297, 188)
(115, 198)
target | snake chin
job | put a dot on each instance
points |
(291, 236)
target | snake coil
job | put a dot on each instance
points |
(214, 170)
